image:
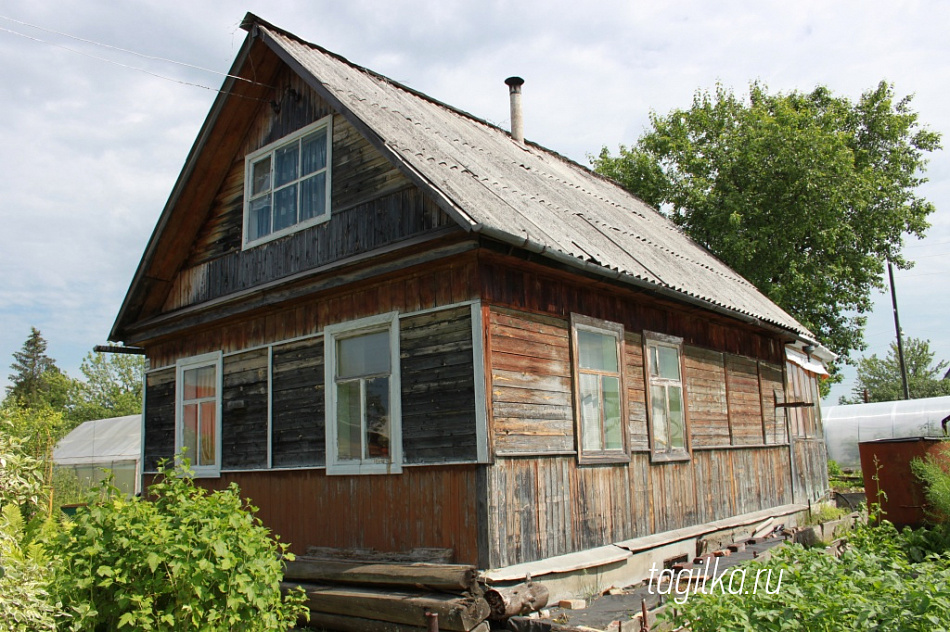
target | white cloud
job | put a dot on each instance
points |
(91, 150)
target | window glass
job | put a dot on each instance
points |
(285, 167)
(197, 432)
(667, 413)
(669, 362)
(675, 398)
(208, 451)
(377, 417)
(363, 355)
(288, 186)
(613, 428)
(314, 151)
(597, 351)
(591, 431)
(348, 421)
(660, 425)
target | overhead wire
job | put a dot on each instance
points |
(143, 70)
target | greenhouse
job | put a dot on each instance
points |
(100, 446)
(847, 425)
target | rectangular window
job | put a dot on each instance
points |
(198, 419)
(598, 387)
(664, 371)
(364, 434)
(288, 184)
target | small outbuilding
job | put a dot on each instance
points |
(100, 446)
(849, 424)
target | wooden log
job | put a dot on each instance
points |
(344, 623)
(461, 614)
(512, 601)
(439, 577)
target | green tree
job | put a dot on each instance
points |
(881, 377)
(36, 379)
(112, 387)
(804, 194)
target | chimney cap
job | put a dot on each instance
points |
(514, 81)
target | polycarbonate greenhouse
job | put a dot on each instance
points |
(847, 425)
(100, 446)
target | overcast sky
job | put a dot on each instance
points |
(91, 148)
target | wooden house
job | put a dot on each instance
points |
(397, 326)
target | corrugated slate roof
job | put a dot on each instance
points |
(524, 193)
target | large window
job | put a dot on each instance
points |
(362, 383)
(198, 419)
(288, 184)
(666, 401)
(598, 387)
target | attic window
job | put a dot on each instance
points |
(287, 184)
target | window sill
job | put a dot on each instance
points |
(359, 469)
(603, 459)
(673, 457)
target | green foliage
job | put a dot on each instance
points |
(934, 471)
(111, 387)
(833, 468)
(25, 603)
(824, 513)
(36, 380)
(881, 377)
(804, 194)
(884, 580)
(186, 559)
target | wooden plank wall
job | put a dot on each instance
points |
(541, 503)
(372, 205)
(431, 506)
(298, 409)
(159, 436)
(244, 411)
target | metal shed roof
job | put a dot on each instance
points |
(101, 441)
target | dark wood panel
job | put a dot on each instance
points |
(159, 418)
(438, 387)
(744, 401)
(298, 426)
(244, 411)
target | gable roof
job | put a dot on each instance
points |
(520, 194)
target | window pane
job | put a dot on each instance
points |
(613, 428)
(208, 445)
(189, 435)
(313, 196)
(314, 152)
(660, 432)
(260, 178)
(258, 224)
(363, 355)
(591, 431)
(597, 351)
(677, 438)
(199, 383)
(348, 427)
(377, 418)
(669, 360)
(285, 164)
(285, 207)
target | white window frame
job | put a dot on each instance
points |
(615, 331)
(271, 149)
(381, 322)
(653, 339)
(185, 364)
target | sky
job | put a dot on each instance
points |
(92, 138)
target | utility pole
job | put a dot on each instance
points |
(897, 326)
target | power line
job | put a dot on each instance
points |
(148, 72)
(125, 50)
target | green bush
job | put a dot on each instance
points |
(185, 559)
(884, 580)
(934, 471)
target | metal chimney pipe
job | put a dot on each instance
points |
(517, 120)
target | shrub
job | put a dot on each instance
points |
(884, 580)
(934, 471)
(186, 559)
(25, 603)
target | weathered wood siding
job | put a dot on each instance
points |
(744, 398)
(807, 434)
(244, 411)
(373, 205)
(531, 384)
(298, 409)
(438, 387)
(159, 436)
(706, 398)
(431, 506)
(541, 507)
